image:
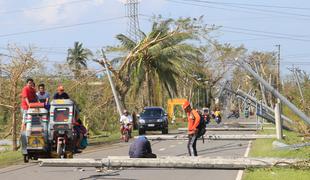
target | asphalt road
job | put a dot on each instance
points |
(211, 148)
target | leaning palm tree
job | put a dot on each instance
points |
(77, 58)
(161, 59)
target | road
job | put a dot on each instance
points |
(211, 148)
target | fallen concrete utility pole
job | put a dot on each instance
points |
(214, 137)
(285, 101)
(243, 96)
(224, 129)
(175, 162)
(115, 94)
(253, 99)
(268, 115)
(244, 123)
(282, 146)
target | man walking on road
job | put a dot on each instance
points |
(193, 122)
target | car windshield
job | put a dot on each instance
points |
(151, 112)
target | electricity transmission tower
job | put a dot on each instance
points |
(132, 12)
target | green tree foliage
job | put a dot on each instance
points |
(77, 58)
(162, 59)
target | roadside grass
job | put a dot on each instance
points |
(263, 148)
(8, 158)
(277, 174)
(109, 138)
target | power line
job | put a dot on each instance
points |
(252, 5)
(255, 9)
(61, 27)
(266, 35)
(207, 6)
(43, 7)
(260, 33)
(244, 9)
(265, 32)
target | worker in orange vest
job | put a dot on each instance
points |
(193, 122)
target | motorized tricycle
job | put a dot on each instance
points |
(34, 132)
(62, 137)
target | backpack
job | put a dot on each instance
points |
(201, 128)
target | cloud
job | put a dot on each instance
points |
(56, 11)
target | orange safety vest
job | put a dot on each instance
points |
(193, 121)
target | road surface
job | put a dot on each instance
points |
(210, 148)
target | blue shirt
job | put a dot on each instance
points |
(139, 148)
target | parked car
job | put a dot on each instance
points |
(153, 119)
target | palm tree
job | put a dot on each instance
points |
(77, 58)
(159, 60)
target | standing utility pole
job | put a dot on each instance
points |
(132, 12)
(294, 71)
(278, 67)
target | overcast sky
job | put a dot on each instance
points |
(54, 25)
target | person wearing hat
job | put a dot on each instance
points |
(126, 120)
(61, 94)
(193, 122)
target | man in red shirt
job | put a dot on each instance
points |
(193, 122)
(28, 96)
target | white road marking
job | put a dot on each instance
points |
(162, 149)
(172, 146)
(181, 142)
(246, 154)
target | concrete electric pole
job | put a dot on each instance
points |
(278, 67)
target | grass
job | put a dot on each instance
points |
(263, 148)
(277, 174)
(9, 158)
(111, 138)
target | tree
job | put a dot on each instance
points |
(160, 59)
(21, 63)
(77, 58)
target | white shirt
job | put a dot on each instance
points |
(126, 119)
(43, 97)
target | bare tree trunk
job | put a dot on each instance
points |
(14, 118)
(149, 88)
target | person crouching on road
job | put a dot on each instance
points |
(141, 148)
(193, 122)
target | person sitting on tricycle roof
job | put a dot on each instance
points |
(61, 94)
(42, 95)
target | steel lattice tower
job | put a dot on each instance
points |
(133, 30)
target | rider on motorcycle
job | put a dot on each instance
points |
(126, 122)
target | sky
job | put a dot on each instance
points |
(54, 25)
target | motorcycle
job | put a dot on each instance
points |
(218, 119)
(126, 133)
